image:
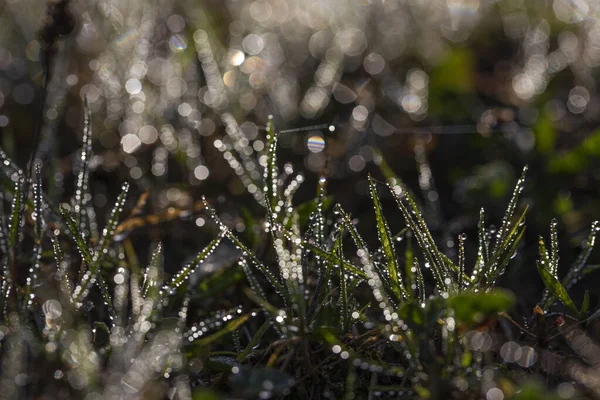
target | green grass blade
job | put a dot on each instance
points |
(545, 258)
(277, 285)
(183, 275)
(254, 341)
(152, 275)
(409, 264)
(81, 187)
(344, 312)
(483, 248)
(39, 227)
(438, 265)
(504, 230)
(585, 306)
(82, 289)
(420, 282)
(271, 174)
(80, 242)
(3, 228)
(554, 247)
(334, 259)
(500, 258)
(554, 286)
(575, 270)
(384, 235)
(461, 261)
(229, 328)
(14, 229)
(61, 268)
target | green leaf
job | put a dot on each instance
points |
(388, 245)
(555, 287)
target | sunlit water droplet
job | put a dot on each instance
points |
(315, 144)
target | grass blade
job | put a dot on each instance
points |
(504, 230)
(554, 286)
(184, 274)
(384, 235)
(82, 289)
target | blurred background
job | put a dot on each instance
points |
(454, 96)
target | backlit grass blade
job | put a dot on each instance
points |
(14, 228)
(503, 253)
(384, 234)
(409, 265)
(423, 236)
(554, 286)
(3, 228)
(183, 275)
(82, 289)
(61, 269)
(574, 272)
(271, 171)
(254, 341)
(360, 243)
(152, 275)
(335, 259)
(80, 242)
(81, 187)
(277, 285)
(554, 247)
(229, 328)
(344, 313)
(461, 260)
(39, 226)
(420, 282)
(504, 230)
(482, 250)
